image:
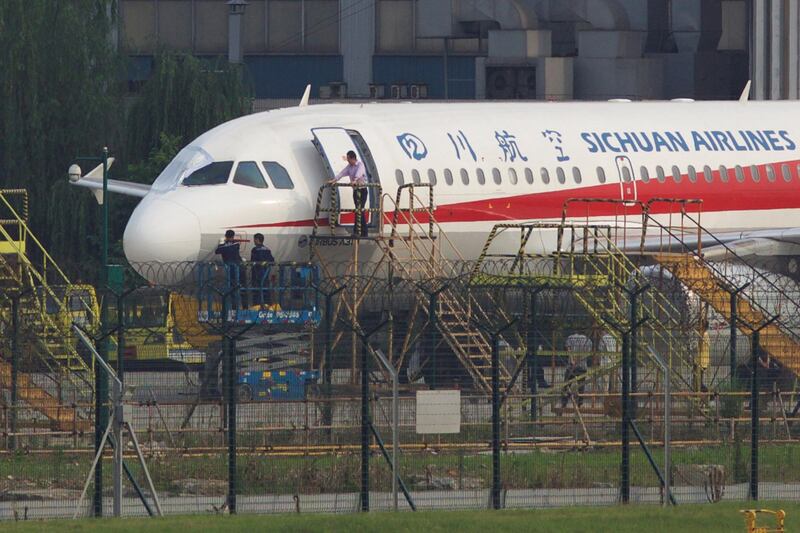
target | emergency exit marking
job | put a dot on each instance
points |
(439, 411)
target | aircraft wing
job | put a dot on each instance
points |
(94, 180)
(729, 245)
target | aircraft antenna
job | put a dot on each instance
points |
(746, 92)
(306, 95)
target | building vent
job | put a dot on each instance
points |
(399, 91)
(511, 83)
(417, 91)
(334, 90)
(377, 91)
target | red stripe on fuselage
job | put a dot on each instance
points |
(717, 196)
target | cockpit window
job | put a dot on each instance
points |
(213, 174)
(248, 174)
(187, 161)
(278, 175)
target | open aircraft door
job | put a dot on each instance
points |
(333, 145)
(627, 179)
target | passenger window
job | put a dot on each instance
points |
(481, 176)
(398, 176)
(211, 174)
(692, 174)
(415, 177)
(771, 173)
(496, 176)
(723, 173)
(739, 174)
(529, 176)
(464, 176)
(278, 175)
(448, 176)
(676, 174)
(644, 174)
(626, 175)
(754, 175)
(512, 176)
(545, 176)
(787, 174)
(708, 174)
(432, 176)
(601, 175)
(576, 174)
(248, 174)
(562, 178)
(661, 176)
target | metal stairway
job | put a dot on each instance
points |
(587, 261)
(414, 247)
(27, 272)
(714, 286)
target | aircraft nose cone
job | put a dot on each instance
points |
(161, 231)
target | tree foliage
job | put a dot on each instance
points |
(185, 97)
(61, 95)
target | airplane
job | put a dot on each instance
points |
(490, 162)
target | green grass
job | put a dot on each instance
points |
(723, 517)
(260, 474)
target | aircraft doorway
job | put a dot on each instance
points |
(627, 179)
(333, 144)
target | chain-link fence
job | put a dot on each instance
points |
(508, 384)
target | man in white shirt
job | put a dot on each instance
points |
(357, 173)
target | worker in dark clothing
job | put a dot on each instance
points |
(229, 250)
(260, 256)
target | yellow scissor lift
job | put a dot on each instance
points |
(47, 305)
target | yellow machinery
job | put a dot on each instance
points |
(160, 326)
(47, 303)
(750, 520)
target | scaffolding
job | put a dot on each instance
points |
(38, 303)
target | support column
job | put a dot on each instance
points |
(776, 42)
(758, 48)
(357, 44)
(793, 50)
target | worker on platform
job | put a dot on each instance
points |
(228, 249)
(579, 347)
(357, 173)
(261, 257)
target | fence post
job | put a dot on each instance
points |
(733, 322)
(432, 316)
(14, 368)
(495, 421)
(327, 375)
(101, 397)
(533, 363)
(625, 472)
(364, 425)
(229, 388)
(632, 351)
(754, 417)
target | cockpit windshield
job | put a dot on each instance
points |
(213, 174)
(187, 161)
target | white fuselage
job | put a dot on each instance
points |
(532, 157)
